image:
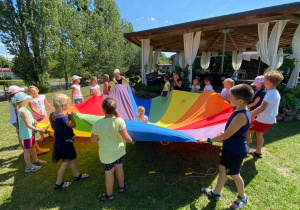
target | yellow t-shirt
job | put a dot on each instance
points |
(111, 144)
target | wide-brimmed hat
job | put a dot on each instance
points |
(258, 80)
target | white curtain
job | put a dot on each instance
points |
(279, 59)
(181, 59)
(150, 59)
(156, 58)
(191, 45)
(268, 49)
(296, 52)
(237, 58)
(205, 60)
(145, 56)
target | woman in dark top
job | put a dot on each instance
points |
(118, 78)
(177, 81)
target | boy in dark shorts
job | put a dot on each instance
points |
(234, 145)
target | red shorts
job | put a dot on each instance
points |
(29, 142)
(259, 127)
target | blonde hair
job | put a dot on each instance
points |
(22, 103)
(116, 71)
(93, 78)
(32, 86)
(230, 81)
(141, 108)
(275, 77)
(105, 78)
(59, 100)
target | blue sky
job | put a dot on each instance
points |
(147, 14)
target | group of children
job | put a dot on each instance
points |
(111, 134)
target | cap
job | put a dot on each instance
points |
(76, 77)
(19, 97)
(13, 89)
(258, 80)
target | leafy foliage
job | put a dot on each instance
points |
(290, 97)
(163, 59)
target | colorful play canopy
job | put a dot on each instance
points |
(180, 117)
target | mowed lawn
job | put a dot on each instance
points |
(271, 182)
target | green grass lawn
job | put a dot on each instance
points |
(271, 182)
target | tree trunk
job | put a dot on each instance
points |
(66, 74)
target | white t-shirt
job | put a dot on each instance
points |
(224, 93)
(38, 103)
(269, 115)
(208, 88)
(96, 89)
(77, 94)
(193, 90)
(13, 117)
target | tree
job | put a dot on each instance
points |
(163, 59)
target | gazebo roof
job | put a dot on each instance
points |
(244, 34)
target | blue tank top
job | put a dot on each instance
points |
(237, 143)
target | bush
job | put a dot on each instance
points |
(290, 97)
(44, 83)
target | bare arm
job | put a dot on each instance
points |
(91, 92)
(168, 86)
(48, 105)
(24, 116)
(254, 103)
(238, 121)
(81, 96)
(125, 79)
(126, 136)
(178, 83)
(72, 122)
(259, 109)
(94, 138)
(73, 94)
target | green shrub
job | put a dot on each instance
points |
(290, 97)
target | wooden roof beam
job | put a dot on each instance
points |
(293, 19)
(236, 47)
(214, 42)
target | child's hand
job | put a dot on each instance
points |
(132, 142)
(202, 141)
(71, 113)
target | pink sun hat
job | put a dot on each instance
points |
(258, 80)
(13, 89)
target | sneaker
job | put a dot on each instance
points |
(32, 169)
(40, 163)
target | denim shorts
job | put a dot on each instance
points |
(108, 167)
(77, 100)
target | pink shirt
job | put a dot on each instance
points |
(106, 89)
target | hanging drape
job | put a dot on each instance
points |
(279, 59)
(296, 53)
(156, 58)
(145, 56)
(191, 45)
(205, 60)
(237, 58)
(268, 49)
(150, 58)
(181, 60)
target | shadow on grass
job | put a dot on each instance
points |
(147, 191)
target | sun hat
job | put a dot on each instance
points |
(19, 97)
(258, 80)
(76, 77)
(13, 89)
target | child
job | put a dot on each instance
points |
(195, 87)
(142, 117)
(26, 128)
(165, 92)
(76, 92)
(95, 88)
(259, 94)
(111, 135)
(177, 81)
(13, 109)
(266, 113)
(37, 104)
(64, 138)
(118, 78)
(225, 93)
(234, 145)
(106, 85)
(207, 82)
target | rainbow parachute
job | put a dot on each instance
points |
(180, 117)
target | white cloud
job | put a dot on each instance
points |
(168, 21)
(138, 19)
(1, 44)
(9, 57)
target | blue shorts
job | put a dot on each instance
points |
(232, 162)
(15, 125)
(108, 167)
(77, 100)
(165, 93)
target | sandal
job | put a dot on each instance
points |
(237, 205)
(258, 155)
(125, 187)
(216, 197)
(61, 186)
(81, 176)
(104, 197)
(43, 151)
